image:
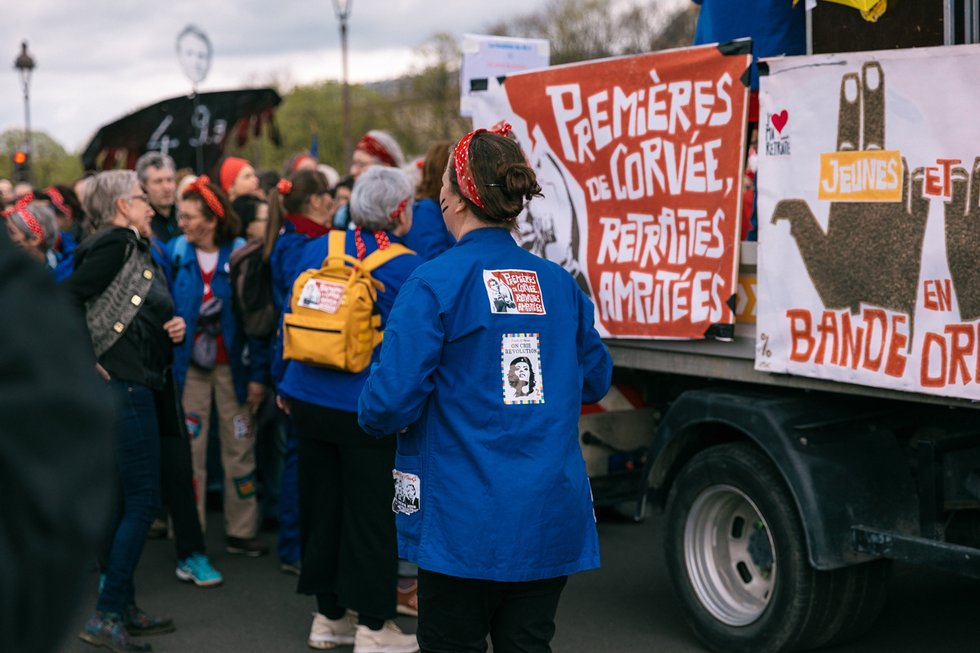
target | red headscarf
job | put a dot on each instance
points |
(461, 162)
(373, 146)
(200, 186)
(229, 172)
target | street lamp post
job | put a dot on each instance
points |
(343, 8)
(24, 63)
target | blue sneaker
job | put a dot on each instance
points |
(198, 570)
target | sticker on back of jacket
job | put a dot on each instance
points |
(520, 367)
(407, 493)
(514, 291)
(322, 295)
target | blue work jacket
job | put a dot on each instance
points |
(489, 481)
(188, 290)
(428, 236)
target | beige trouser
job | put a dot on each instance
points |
(237, 446)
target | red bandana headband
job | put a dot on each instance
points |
(58, 200)
(372, 146)
(461, 162)
(398, 210)
(200, 186)
(29, 220)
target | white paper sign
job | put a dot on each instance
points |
(487, 57)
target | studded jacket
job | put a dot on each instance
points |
(124, 297)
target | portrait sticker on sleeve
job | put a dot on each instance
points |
(520, 367)
(514, 291)
(407, 493)
(322, 295)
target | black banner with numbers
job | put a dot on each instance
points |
(178, 126)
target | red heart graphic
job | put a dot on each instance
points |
(780, 119)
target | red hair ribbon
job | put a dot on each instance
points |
(380, 236)
(284, 186)
(461, 162)
(30, 221)
(398, 211)
(373, 146)
(200, 186)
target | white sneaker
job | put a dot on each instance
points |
(327, 633)
(390, 639)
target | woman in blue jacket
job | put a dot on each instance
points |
(429, 237)
(300, 209)
(485, 398)
(350, 556)
(210, 362)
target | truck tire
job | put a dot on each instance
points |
(861, 601)
(737, 556)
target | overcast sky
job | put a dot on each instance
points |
(98, 60)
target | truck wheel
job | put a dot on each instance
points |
(861, 600)
(737, 556)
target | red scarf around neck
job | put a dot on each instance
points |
(306, 226)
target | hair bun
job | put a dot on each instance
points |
(519, 180)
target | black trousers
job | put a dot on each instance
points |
(176, 471)
(347, 527)
(177, 480)
(457, 614)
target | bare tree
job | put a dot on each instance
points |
(579, 30)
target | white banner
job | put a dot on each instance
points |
(869, 219)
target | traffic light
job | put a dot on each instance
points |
(22, 166)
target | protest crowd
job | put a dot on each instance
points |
(381, 462)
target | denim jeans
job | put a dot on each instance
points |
(138, 468)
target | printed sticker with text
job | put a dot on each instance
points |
(520, 367)
(322, 295)
(514, 291)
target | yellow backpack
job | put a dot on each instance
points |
(334, 320)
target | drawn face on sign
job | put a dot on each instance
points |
(549, 227)
(194, 53)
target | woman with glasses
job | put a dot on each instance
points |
(211, 362)
(130, 317)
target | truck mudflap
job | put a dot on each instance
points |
(838, 456)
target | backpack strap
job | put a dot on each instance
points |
(379, 257)
(338, 238)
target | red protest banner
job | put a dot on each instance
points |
(645, 157)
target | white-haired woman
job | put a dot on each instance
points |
(130, 319)
(347, 529)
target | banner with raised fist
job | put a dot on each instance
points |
(869, 217)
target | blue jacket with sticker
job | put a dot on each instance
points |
(331, 388)
(187, 288)
(486, 453)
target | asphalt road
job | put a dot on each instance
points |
(626, 606)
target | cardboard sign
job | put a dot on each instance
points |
(869, 218)
(640, 163)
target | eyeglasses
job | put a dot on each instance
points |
(142, 198)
